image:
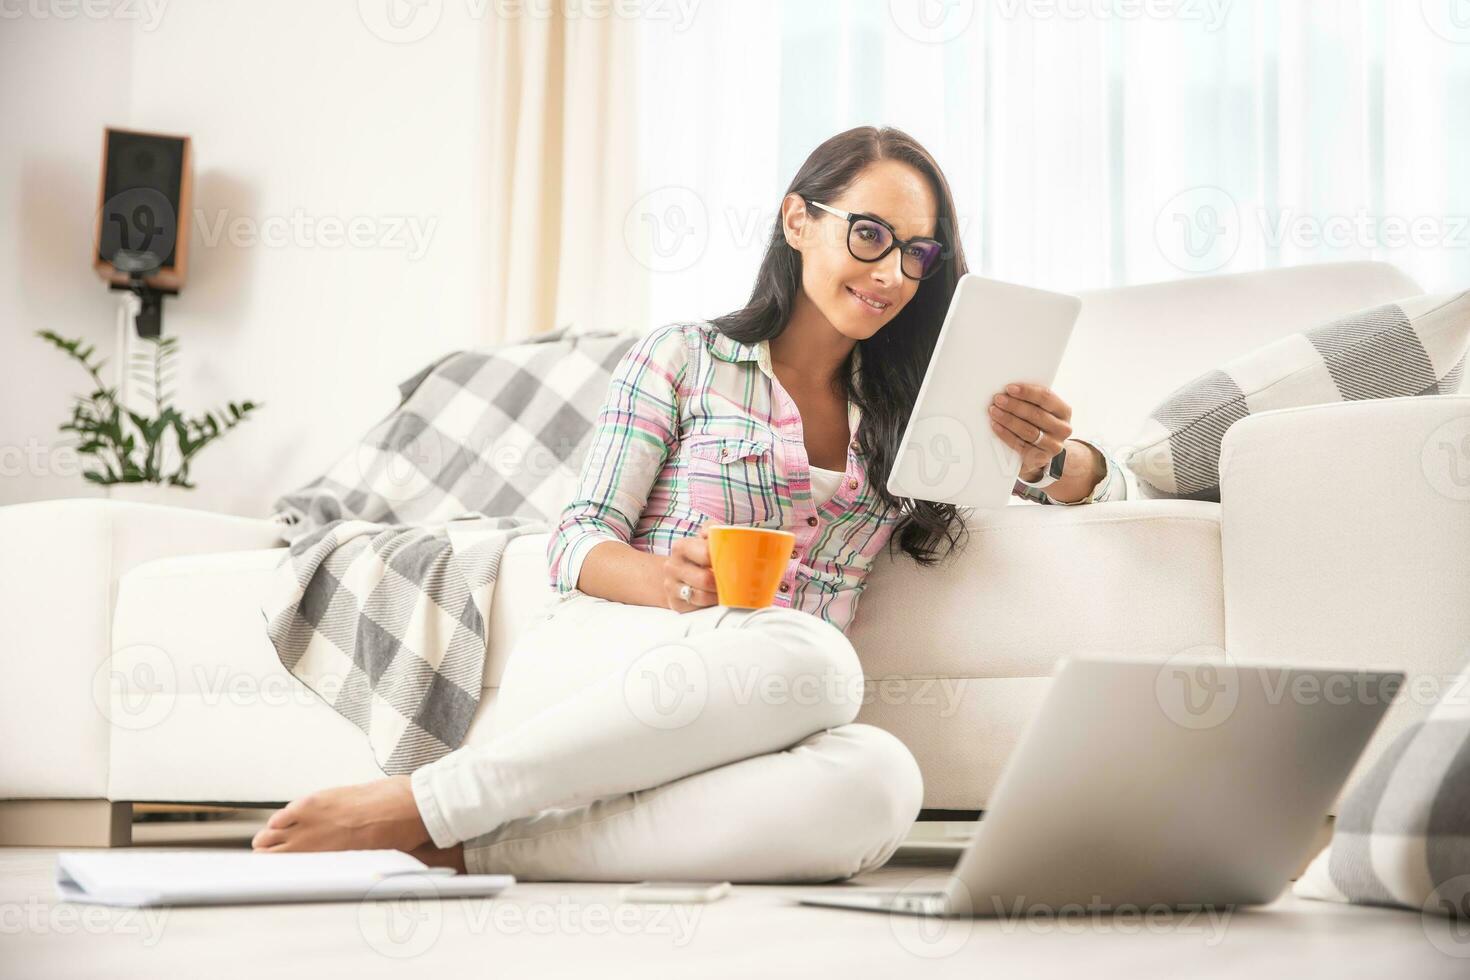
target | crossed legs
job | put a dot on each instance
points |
(634, 742)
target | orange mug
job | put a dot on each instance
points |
(748, 563)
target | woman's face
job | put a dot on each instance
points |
(856, 297)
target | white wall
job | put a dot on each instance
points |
(299, 114)
(60, 83)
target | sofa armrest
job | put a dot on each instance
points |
(192, 625)
(59, 570)
(1345, 531)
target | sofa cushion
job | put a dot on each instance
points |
(1413, 347)
(957, 657)
(1135, 344)
(1403, 835)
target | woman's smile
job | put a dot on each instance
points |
(869, 302)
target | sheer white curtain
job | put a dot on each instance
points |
(1088, 142)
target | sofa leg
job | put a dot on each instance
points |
(65, 823)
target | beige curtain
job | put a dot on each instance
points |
(561, 145)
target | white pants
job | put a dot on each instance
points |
(638, 743)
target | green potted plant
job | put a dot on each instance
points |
(137, 455)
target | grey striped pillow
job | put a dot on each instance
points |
(1414, 347)
(1402, 836)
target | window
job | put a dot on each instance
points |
(1089, 143)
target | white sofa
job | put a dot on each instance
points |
(138, 668)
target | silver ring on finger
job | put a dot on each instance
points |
(1037, 441)
(685, 592)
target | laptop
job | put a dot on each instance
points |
(995, 333)
(1183, 783)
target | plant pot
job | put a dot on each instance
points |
(161, 494)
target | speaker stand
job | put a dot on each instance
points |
(148, 317)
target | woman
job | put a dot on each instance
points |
(643, 731)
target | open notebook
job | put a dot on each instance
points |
(224, 877)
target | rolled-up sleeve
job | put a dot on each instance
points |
(636, 431)
(1115, 484)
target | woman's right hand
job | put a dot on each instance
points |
(688, 563)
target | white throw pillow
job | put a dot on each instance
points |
(1413, 347)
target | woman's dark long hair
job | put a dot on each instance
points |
(894, 359)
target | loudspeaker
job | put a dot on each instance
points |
(143, 215)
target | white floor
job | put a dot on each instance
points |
(551, 930)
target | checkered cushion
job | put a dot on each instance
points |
(1402, 837)
(1413, 347)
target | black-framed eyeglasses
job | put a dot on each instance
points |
(870, 239)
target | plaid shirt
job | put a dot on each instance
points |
(697, 428)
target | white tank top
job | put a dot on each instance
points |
(824, 484)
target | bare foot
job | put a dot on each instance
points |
(441, 857)
(380, 814)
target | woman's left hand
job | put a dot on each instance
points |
(1033, 420)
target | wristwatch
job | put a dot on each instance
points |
(1051, 474)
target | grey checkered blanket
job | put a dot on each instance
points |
(381, 602)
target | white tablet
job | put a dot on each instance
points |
(995, 334)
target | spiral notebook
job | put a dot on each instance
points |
(140, 877)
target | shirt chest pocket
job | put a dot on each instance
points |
(733, 480)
